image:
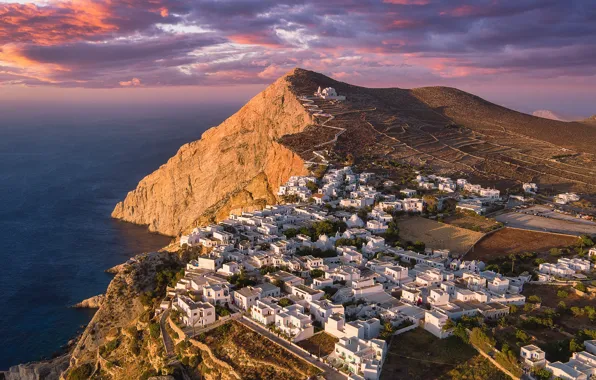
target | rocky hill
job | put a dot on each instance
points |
(235, 166)
(239, 164)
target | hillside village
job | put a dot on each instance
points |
(328, 261)
(322, 264)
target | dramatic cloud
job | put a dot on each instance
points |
(105, 43)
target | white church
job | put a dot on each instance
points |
(329, 93)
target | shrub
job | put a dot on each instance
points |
(316, 273)
(534, 298)
(581, 287)
(284, 302)
(154, 330)
(562, 294)
(82, 372)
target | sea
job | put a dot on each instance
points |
(61, 174)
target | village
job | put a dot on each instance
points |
(326, 260)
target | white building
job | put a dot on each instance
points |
(195, 314)
(321, 310)
(530, 187)
(532, 356)
(246, 297)
(306, 293)
(434, 322)
(265, 310)
(566, 198)
(329, 93)
(363, 357)
(217, 294)
(293, 322)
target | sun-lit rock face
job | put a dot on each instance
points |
(236, 166)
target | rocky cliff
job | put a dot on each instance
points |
(236, 166)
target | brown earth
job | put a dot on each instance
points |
(419, 355)
(511, 240)
(437, 235)
(321, 344)
(252, 356)
(472, 222)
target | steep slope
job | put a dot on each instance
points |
(235, 166)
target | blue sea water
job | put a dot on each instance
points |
(60, 176)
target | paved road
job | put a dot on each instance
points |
(542, 224)
(330, 373)
(167, 339)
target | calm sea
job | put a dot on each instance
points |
(60, 177)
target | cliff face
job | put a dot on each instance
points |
(236, 166)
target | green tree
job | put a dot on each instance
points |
(154, 330)
(284, 302)
(316, 273)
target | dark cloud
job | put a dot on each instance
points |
(170, 42)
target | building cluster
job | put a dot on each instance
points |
(581, 365)
(566, 198)
(297, 186)
(350, 293)
(564, 267)
(483, 197)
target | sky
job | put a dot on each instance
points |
(524, 54)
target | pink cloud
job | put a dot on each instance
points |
(272, 72)
(134, 82)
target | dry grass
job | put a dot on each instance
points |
(419, 355)
(321, 344)
(472, 222)
(437, 235)
(253, 356)
(510, 240)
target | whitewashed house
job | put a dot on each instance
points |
(195, 314)
(293, 322)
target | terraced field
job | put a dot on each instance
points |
(451, 131)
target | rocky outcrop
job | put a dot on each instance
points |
(234, 167)
(90, 303)
(44, 370)
(121, 305)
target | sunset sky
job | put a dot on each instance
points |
(525, 54)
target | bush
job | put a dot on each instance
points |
(581, 287)
(534, 298)
(542, 374)
(82, 372)
(154, 330)
(284, 302)
(107, 348)
(562, 294)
